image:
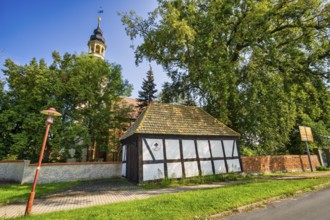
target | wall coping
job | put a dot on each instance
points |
(303, 155)
(12, 161)
(75, 163)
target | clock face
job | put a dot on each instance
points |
(155, 146)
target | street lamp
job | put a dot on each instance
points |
(51, 113)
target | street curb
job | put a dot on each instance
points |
(266, 202)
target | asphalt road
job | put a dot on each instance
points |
(310, 206)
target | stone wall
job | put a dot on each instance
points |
(23, 172)
(13, 170)
(285, 163)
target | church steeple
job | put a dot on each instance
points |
(96, 43)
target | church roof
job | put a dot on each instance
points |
(98, 35)
(169, 119)
(133, 104)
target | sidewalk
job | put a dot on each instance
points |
(85, 195)
(105, 192)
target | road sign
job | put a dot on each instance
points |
(307, 136)
(306, 133)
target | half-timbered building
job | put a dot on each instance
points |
(175, 141)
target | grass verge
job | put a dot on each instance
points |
(15, 192)
(196, 180)
(196, 204)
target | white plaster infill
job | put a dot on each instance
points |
(23, 171)
(12, 170)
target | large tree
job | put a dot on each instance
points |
(262, 67)
(148, 90)
(85, 90)
(4, 140)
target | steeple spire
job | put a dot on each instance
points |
(96, 43)
(99, 21)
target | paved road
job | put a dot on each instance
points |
(310, 206)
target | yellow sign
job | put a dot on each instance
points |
(306, 133)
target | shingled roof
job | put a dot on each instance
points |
(171, 119)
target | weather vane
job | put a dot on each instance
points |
(100, 11)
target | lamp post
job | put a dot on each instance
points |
(51, 112)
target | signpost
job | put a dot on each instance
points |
(307, 136)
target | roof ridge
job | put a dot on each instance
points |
(143, 117)
(132, 129)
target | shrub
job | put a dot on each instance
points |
(322, 168)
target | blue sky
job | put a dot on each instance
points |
(35, 28)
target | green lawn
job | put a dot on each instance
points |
(193, 204)
(16, 192)
(198, 180)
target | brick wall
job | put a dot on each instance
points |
(285, 163)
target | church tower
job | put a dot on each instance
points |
(96, 43)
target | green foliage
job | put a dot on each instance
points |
(148, 92)
(322, 168)
(246, 151)
(261, 67)
(85, 90)
(4, 139)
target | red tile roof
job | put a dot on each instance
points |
(133, 104)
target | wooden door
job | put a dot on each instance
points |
(132, 162)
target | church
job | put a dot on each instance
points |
(170, 140)
(97, 48)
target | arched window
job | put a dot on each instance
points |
(97, 49)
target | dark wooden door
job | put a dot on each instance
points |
(132, 162)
